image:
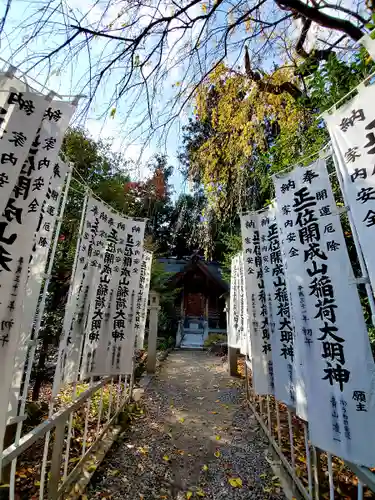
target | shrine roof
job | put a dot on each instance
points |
(181, 266)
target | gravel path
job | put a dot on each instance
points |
(194, 438)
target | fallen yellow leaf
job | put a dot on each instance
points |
(205, 468)
(114, 472)
(218, 438)
(200, 493)
(166, 458)
(189, 494)
(182, 420)
(217, 453)
(236, 482)
(214, 412)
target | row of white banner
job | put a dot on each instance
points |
(107, 306)
(296, 312)
(108, 296)
(295, 307)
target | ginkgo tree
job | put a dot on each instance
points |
(144, 60)
(243, 131)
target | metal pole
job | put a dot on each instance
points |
(79, 240)
(74, 395)
(118, 396)
(357, 245)
(54, 479)
(246, 382)
(131, 380)
(360, 490)
(308, 458)
(330, 478)
(278, 422)
(110, 387)
(100, 411)
(125, 389)
(88, 405)
(269, 415)
(37, 328)
(46, 444)
(318, 473)
(290, 425)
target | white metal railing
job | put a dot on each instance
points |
(180, 332)
(316, 473)
(67, 448)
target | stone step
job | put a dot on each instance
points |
(191, 347)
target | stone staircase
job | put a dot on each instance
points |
(191, 334)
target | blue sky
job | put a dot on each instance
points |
(125, 126)
(68, 76)
(69, 79)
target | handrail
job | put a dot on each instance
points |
(13, 451)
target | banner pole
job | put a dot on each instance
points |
(37, 327)
(57, 372)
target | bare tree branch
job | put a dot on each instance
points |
(265, 86)
(321, 18)
(151, 56)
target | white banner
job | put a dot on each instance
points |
(352, 130)
(37, 265)
(279, 313)
(90, 251)
(96, 352)
(298, 342)
(17, 227)
(337, 358)
(245, 344)
(261, 349)
(124, 301)
(18, 223)
(21, 115)
(142, 299)
(234, 339)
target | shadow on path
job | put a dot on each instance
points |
(195, 435)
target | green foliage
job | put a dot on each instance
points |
(106, 174)
(241, 135)
(215, 338)
(166, 343)
(66, 398)
(233, 243)
(159, 283)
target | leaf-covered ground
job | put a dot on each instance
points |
(195, 438)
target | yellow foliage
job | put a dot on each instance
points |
(236, 482)
(239, 113)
